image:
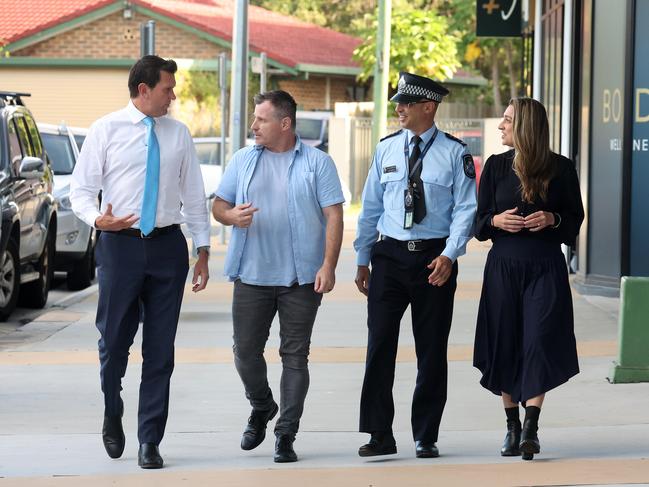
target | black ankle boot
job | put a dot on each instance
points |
(529, 439)
(512, 439)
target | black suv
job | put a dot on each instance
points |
(28, 231)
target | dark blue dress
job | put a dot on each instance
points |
(525, 342)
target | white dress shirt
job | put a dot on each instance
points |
(113, 159)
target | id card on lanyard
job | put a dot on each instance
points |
(408, 194)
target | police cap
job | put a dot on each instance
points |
(413, 88)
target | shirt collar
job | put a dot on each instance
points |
(134, 114)
(425, 137)
(296, 148)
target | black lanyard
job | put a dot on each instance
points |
(406, 153)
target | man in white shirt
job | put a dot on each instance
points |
(146, 167)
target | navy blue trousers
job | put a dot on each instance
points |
(152, 272)
(400, 278)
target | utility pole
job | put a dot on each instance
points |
(263, 76)
(239, 84)
(223, 88)
(147, 38)
(381, 70)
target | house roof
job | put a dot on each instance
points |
(23, 18)
(285, 39)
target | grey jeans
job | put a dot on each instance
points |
(253, 310)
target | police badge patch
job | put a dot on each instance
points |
(469, 167)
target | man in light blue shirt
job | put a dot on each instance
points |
(284, 200)
(420, 199)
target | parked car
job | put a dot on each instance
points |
(28, 236)
(208, 150)
(75, 240)
(313, 128)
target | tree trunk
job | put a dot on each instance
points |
(513, 92)
(495, 79)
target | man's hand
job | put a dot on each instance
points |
(539, 220)
(325, 279)
(241, 215)
(509, 221)
(442, 268)
(363, 279)
(201, 272)
(111, 223)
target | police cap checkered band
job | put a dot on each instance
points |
(413, 88)
(418, 91)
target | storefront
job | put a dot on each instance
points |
(590, 71)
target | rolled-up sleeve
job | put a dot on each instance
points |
(192, 195)
(227, 189)
(328, 185)
(462, 217)
(86, 181)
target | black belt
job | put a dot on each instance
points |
(417, 245)
(156, 232)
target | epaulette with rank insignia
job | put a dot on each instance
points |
(391, 135)
(459, 141)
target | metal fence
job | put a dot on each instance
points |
(471, 131)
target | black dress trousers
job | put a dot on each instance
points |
(400, 277)
(151, 271)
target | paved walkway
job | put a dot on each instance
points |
(592, 432)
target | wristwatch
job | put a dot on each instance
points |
(557, 220)
(204, 248)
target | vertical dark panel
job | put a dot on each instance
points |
(639, 174)
(558, 80)
(606, 161)
(552, 58)
(583, 57)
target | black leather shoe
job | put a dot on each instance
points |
(379, 444)
(426, 449)
(284, 452)
(512, 440)
(529, 444)
(112, 434)
(148, 456)
(255, 431)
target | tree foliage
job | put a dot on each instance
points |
(498, 60)
(420, 43)
(340, 15)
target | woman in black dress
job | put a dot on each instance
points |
(528, 204)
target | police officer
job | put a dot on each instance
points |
(419, 203)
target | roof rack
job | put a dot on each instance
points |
(12, 98)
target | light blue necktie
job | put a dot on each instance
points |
(152, 179)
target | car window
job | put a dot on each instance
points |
(34, 135)
(23, 135)
(60, 151)
(2, 148)
(15, 153)
(208, 153)
(79, 140)
(308, 128)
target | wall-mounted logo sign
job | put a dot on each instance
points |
(498, 18)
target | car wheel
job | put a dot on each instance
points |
(83, 272)
(34, 294)
(9, 280)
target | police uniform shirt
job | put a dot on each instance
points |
(449, 189)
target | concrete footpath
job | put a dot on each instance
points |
(591, 432)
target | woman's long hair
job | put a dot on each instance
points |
(532, 162)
